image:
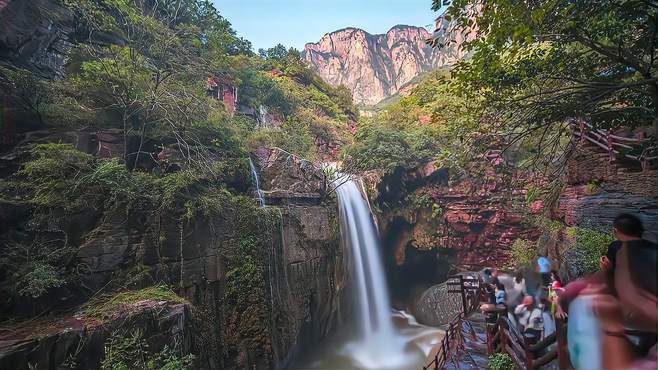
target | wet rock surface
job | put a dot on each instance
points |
(436, 306)
(36, 35)
(308, 270)
(302, 262)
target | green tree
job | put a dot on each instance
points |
(277, 53)
(378, 147)
(541, 63)
(433, 122)
(26, 89)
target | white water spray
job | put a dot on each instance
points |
(254, 176)
(379, 346)
(381, 338)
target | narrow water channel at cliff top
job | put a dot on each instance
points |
(379, 337)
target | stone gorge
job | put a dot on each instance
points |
(375, 67)
(191, 221)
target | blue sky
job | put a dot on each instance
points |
(295, 22)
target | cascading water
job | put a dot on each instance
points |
(360, 235)
(380, 338)
(254, 176)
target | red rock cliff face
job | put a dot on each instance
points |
(479, 222)
(478, 217)
(472, 217)
(374, 67)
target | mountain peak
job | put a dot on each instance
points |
(374, 66)
(405, 27)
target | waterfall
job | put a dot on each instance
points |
(379, 345)
(372, 292)
(256, 183)
(376, 336)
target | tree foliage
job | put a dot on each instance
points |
(139, 73)
(127, 350)
(435, 122)
(539, 64)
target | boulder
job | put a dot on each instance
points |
(286, 176)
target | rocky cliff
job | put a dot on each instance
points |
(35, 35)
(433, 222)
(374, 67)
(597, 189)
(308, 273)
(38, 35)
(251, 286)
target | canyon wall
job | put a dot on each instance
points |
(434, 221)
(473, 217)
(226, 313)
(374, 67)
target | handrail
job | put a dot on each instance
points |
(543, 343)
(608, 141)
(505, 338)
(453, 332)
(470, 289)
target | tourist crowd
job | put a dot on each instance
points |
(612, 314)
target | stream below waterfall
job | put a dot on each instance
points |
(379, 337)
(344, 350)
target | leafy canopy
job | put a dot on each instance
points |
(539, 64)
(432, 123)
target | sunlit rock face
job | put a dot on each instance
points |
(372, 66)
(285, 176)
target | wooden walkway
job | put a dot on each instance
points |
(640, 150)
(474, 353)
(471, 337)
(503, 336)
(460, 333)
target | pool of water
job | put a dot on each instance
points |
(344, 350)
